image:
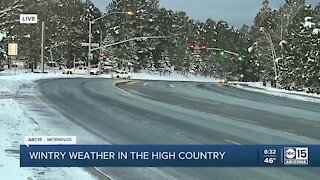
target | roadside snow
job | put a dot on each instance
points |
(258, 87)
(15, 123)
(175, 76)
(10, 83)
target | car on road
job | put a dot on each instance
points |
(223, 80)
(121, 75)
(81, 70)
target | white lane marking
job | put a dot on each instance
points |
(171, 85)
(126, 92)
(232, 142)
(104, 174)
(291, 134)
(145, 84)
(131, 82)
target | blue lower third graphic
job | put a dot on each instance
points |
(169, 156)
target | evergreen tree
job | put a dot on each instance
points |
(261, 56)
(29, 35)
(317, 13)
(143, 23)
(70, 28)
(9, 11)
(180, 29)
(300, 67)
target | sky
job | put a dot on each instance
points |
(235, 12)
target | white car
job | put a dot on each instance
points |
(81, 70)
(121, 75)
(223, 80)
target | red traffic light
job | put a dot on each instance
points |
(203, 47)
(192, 46)
(104, 56)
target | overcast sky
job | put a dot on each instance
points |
(235, 12)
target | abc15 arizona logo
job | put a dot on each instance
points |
(296, 156)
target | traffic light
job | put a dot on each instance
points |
(104, 56)
(192, 46)
(203, 47)
(241, 58)
(222, 53)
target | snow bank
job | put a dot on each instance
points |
(258, 87)
(15, 123)
(13, 126)
(9, 168)
(10, 82)
(175, 76)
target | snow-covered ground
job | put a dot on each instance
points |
(175, 76)
(258, 87)
(15, 123)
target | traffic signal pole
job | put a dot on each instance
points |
(204, 47)
(100, 52)
(132, 39)
(90, 34)
(229, 52)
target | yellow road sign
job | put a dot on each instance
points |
(13, 49)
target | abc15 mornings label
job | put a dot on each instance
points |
(296, 156)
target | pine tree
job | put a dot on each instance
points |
(143, 23)
(182, 38)
(300, 67)
(29, 35)
(70, 29)
(9, 11)
(210, 38)
(317, 13)
(262, 64)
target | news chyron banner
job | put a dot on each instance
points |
(73, 155)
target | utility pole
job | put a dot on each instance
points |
(90, 43)
(42, 47)
(100, 52)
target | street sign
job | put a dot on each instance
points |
(12, 49)
(28, 18)
(92, 44)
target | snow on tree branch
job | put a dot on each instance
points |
(316, 31)
(15, 6)
(8, 22)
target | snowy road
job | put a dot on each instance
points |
(149, 112)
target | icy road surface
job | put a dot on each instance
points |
(155, 112)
